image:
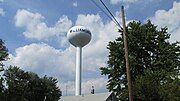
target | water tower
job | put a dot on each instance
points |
(78, 36)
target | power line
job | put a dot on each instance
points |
(111, 13)
(113, 19)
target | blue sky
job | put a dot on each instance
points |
(35, 34)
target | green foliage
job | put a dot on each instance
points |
(3, 51)
(154, 64)
(3, 57)
(27, 86)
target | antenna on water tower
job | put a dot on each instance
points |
(78, 36)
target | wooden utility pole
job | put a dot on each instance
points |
(126, 55)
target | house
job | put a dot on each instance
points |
(91, 97)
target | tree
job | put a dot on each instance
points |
(154, 64)
(3, 57)
(3, 53)
(27, 86)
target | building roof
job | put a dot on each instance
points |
(90, 97)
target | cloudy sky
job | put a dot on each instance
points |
(35, 34)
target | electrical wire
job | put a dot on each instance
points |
(110, 13)
(113, 19)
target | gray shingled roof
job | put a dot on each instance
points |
(90, 97)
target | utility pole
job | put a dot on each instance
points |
(126, 55)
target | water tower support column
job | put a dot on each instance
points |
(78, 70)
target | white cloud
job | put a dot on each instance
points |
(118, 1)
(37, 29)
(45, 60)
(75, 4)
(1, 0)
(24, 17)
(170, 19)
(2, 13)
(114, 1)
